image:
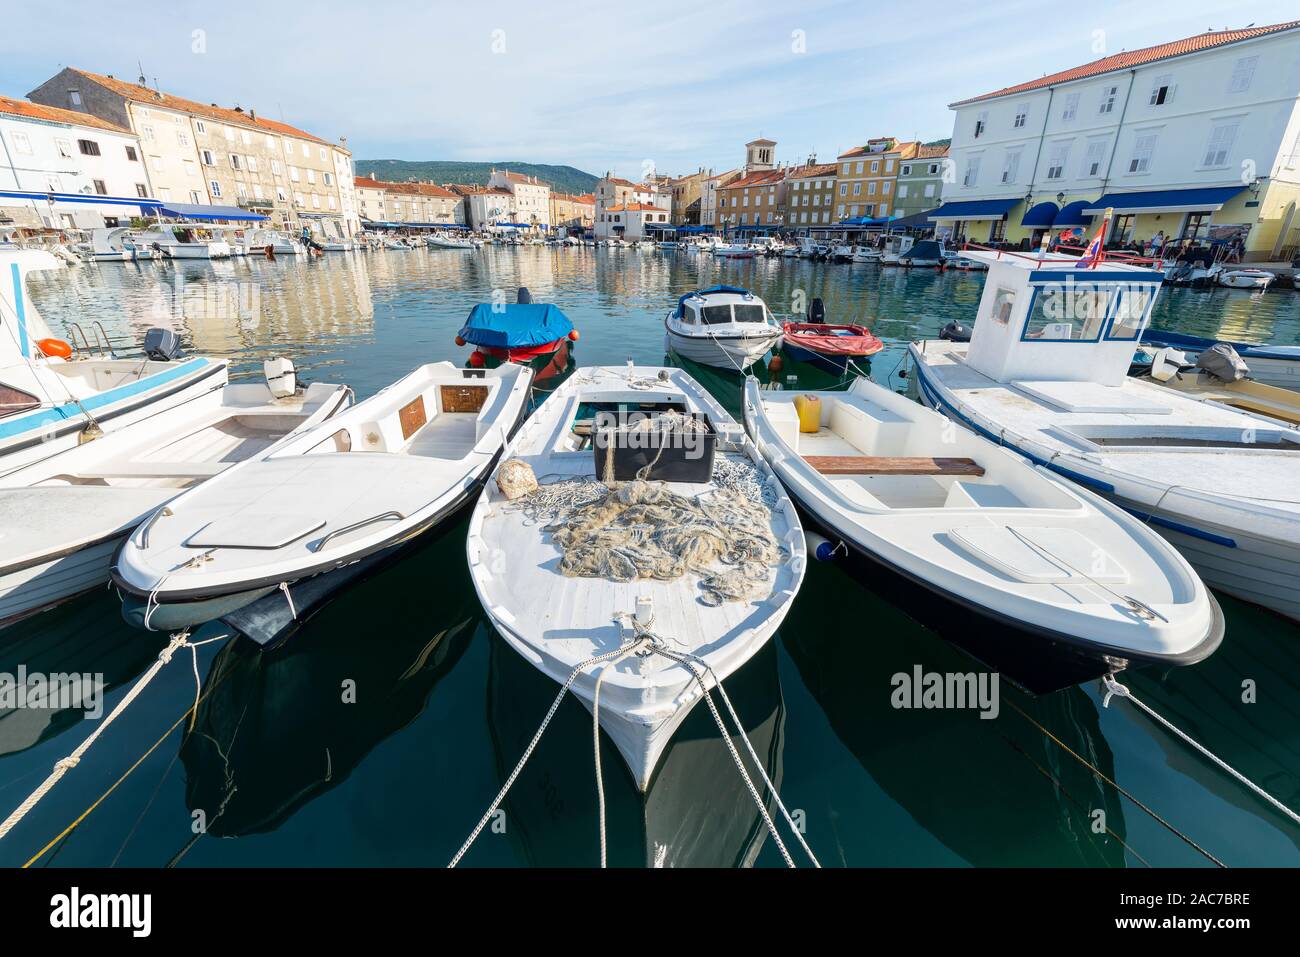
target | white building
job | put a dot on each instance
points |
(532, 197)
(490, 205)
(1198, 139)
(630, 220)
(52, 151)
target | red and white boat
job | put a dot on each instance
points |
(829, 347)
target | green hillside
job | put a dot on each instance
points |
(564, 179)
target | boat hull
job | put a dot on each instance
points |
(726, 352)
(34, 589)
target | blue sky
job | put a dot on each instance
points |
(676, 84)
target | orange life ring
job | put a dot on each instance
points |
(54, 348)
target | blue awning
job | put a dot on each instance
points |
(975, 209)
(1040, 216)
(697, 229)
(199, 211)
(515, 325)
(86, 198)
(1072, 214)
(663, 227)
(1165, 201)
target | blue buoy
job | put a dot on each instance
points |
(821, 548)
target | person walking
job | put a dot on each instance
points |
(1157, 245)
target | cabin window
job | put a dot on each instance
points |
(15, 400)
(1004, 301)
(1067, 312)
(716, 315)
(751, 312)
(1129, 313)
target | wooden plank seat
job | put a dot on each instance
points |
(891, 465)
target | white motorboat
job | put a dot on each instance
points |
(866, 254)
(62, 528)
(723, 326)
(735, 251)
(895, 248)
(56, 395)
(927, 254)
(655, 437)
(1269, 364)
(842, 253)
(279, 244)
(1048, 584)
(318, 509)
(450, 242)
(1045, 373)
(335, 246)
(116, 244)
(184, 241)
(1245, 278)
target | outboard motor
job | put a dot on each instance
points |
(1223, 362)
(162, 345)
(280, 377)
(817, 312)
(523, 297)
(955, 332)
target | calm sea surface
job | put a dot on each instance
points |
(279, 769)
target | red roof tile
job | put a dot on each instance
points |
(1134, 58)
(818, 169)
(53, 114)
(764, 177)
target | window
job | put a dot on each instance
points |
(1132, 307)
(871, 188)
(215, 188)
(1056, 160)
(1108, 94)
(200, 127)
(1004, 301)
(875, 166)
(1067, 312)
(1243, 71)
(100, 188)
(1162, 90)
(250, 162)
(241, 190)
(857, 168)
(234, 161)
(844, 189)
(306, 150)
(16, 400)
(88, 147)
(1071, 108)
(1122, 231)
(839, 211)
(1196, 226)
(1143, 147)
(147, 132)
(981, 121)
(293, 174)
(156, 163)
(929, 190)
(280, 195)
(247, 137)
(141, 190)
(1011, 166)
(1022, 116)
(846, 169)
(905, 169)
(902, 191)
(311, 176)
(195, 198)
(74, 99)
(24, 145)
(1093, 158)
(972, 171)
(230, 134)
(275, 167)
(857, 189)
(182, 138)
(324, 158)
(1222, 136)
(329, 179)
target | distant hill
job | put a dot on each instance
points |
(944, 142)
(564, 179)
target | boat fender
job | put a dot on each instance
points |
(823, 549)
(280, 377)
(809, 408)
(460, 341)
(54, 348)
(955, 332)
(573, 335)
(775, 365)
(476, 359)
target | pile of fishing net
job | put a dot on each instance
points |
(625, 531)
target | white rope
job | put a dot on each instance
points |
(1115, 689)
(64, 765)
(632, 648)
(284, 587)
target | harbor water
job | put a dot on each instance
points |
(379, 733)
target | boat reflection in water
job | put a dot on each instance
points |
(697, 811)
(276, 728)
(995, 792)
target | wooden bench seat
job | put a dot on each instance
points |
(891, 465)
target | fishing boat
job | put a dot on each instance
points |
(1173, 370)
(647, 453)
(184, 241)
(866, 254)
(829, 347)
(1271, 365)
(56, 395)
(77, 508)
(842, 253)
(1046, 374)
(537, 335)
(353, 490)
(1245, 278)
(723, 326)
(735, 251)
(1048, 584)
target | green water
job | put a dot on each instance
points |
(284, 771)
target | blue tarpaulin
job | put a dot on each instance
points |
(515, 326)
(199, 211)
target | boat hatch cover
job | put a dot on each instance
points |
(250, 530)
(1038, 554)
(1091, 397)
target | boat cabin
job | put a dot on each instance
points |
(722, 305)
(1052, 320)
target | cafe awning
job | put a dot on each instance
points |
(975, 209)
(1165, 201)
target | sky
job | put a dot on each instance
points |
(666, 87)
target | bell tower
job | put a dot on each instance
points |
(760, 155)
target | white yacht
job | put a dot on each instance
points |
(723, 326)
(1046, 374)
(184, 241)
(116, 244)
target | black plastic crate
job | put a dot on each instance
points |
(684, 458)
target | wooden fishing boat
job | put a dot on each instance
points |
(1277, 365)
(829, 347)
(538, 561)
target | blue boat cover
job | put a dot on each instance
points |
(514, 326)
(704, 292)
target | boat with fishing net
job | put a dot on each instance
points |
(634, 546)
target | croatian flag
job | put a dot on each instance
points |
(1093, 254)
